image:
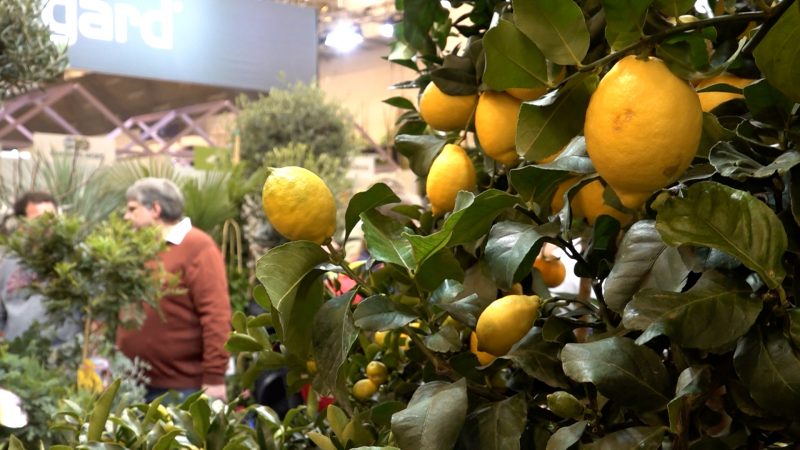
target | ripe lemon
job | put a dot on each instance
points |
(364, 388)
(496, 126)
(557, 203)
(505, 321)
(445, 112)
(299, 204)
(377, 372)
(452, 171)
(483, 357)
(380, 337)
(552, 270)
(642, 128)
(528, 94)
(589, 203)
(710, 100)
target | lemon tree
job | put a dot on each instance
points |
(678, 326)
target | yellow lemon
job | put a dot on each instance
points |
(299, 204)
(710, 100)
(527, 94)
(589, 204)
(445, 112)
(364, 388)
(380, 337)
(505, 321)
(483, 357)
(377, 372)
(642, 128)
(496, 126)
(452, 171)
(557, 203)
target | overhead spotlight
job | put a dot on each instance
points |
(344, 37)
(446, 4)
(386, 30)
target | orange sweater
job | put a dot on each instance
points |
(186, 349)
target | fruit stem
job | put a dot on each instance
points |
(337, 257)
(660, 36)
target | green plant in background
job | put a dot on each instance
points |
(27, 55)
(298, 114)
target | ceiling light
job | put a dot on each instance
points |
(344, 37)
(446, 4)
(386, 30)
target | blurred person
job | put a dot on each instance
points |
(185, 349)
(20, 307)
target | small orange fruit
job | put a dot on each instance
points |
(552, 270)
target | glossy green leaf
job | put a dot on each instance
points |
(770, 369)
(624, 21)
(546, 126)
(512, 248)
(101, 410)
(377, 195)
(332, 336)
(732, 163)
(381, 414)
(379, 313)
(557, 28)
(713, 132)
(536, 185)
(501, 423)
(201, 415)
(471, 219)
(433, 418)
(400, 102)
(713, 313)
(446, 339)
(239, 342)
(463, 307)
(512, 59)
(734, 221)
(673, 8)
(643, 261)
(565, 437)
(685, 54)
(630, 374)
(767, 104)
(572, 159)
(385, 242)
(435, 270)
(420, 150)
(778, 58)
(539, 359)
(639, 438)
(418, 18)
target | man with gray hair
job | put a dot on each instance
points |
(186, 349)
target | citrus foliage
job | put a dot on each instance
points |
(685, 329)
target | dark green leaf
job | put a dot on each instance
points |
(630, 374)
(643, 261)
(673, 8)
(238, 343)
(418, 18)
(464, 308)
(732, 163)
(501, 423)
(539, 359)
(572, 159)
(557, 28)
(381, 414)
(433, 418)
(565, 437)
(379, 313)
(332, 336)
(777, 58)
(512, 59)
(602, 247)
(546, 126)
(685, 54)
(770, 370)
(447, 339)
(693, 380)
(100, 411)
(456, 76)
(624, 21)
(711, 314)
(385, 240)
(420, 150)
(536, 185)
(767, 104)
(794, 326)
(435, 270)
(734, 221)
(794, 193)
(635, 438)
(512, 248)
(378, 194)
(713, 132)
(400, 102)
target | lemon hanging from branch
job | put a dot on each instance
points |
(299, 205)
(446, 112)
(505, 321)
(642, 128)
(452, 171)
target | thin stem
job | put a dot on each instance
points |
(87, 332)
(437, 363)
(532, 215)
(337, 257)
(660, 36)
(773, 14)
